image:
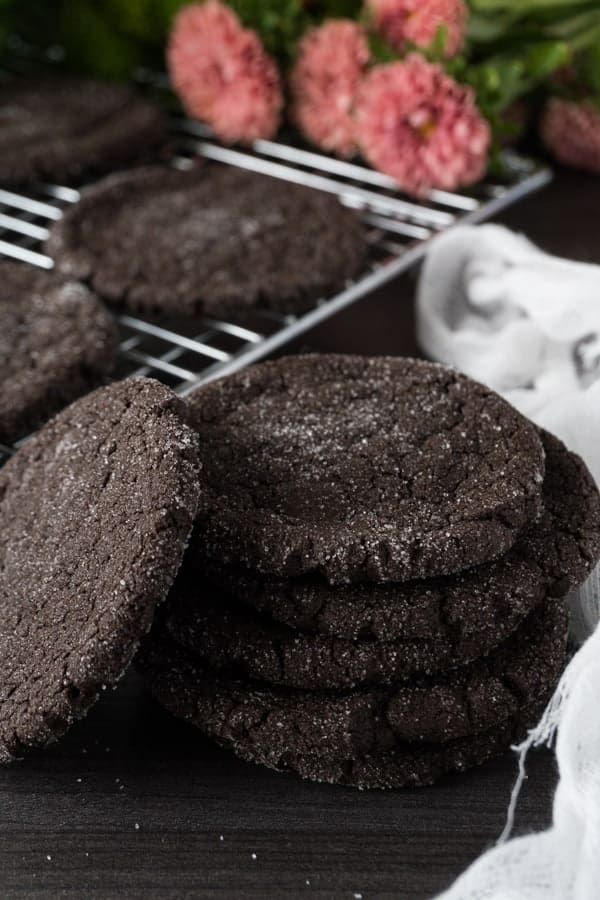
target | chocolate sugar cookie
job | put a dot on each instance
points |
(494, 597)
(410, 766)
(95, 511)
(361, 469)
(286, 728)
(208, 241)
(57, 341)
(566, 541)
(58, 127)
(229, 636)
(483, 604)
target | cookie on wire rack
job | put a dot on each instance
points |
(213, 240)
(57, 342)
(60, 127)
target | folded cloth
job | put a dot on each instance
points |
(524, 322)
(562, 863)
(528, 324)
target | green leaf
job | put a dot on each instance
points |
(381, 51)
(523, 8)
(93, 46)
(486, 29)
(142, 20)
(588, 65)
(340, 9)
(437, 48)
(280, 23)
(544, 58)
(500, 81)
(572, 26)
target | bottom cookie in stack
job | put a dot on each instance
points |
(409, 733)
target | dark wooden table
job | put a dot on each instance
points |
(133, 804)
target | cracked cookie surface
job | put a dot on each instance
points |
(278, 723)
(364, 721)
(408, 766)
(59, 127)
(361, 469)
(439, 621)
(57, 342)
(95, 512)
(210, 241)
(566, 539)
(230, 637)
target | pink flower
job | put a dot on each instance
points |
(330, 64)
(571, 131)
(223, 74)
(415, 123)
(404, 22)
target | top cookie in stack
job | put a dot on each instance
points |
(370, 593)
(362, 469)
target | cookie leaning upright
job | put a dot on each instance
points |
(361, 469)
(95, 513)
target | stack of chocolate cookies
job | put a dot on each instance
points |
(372, 592)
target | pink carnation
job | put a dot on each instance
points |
(571, 131)
(223, 74)
(404, 22)
(415, 123)
(330, 64)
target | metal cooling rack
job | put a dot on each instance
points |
(399, 229)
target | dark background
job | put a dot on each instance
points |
(134, 804)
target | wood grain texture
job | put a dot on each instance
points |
(211, 826)
(202, 814)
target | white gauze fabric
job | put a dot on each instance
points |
(562, 863)
(528, 325)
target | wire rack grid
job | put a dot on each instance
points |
(399, 230)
